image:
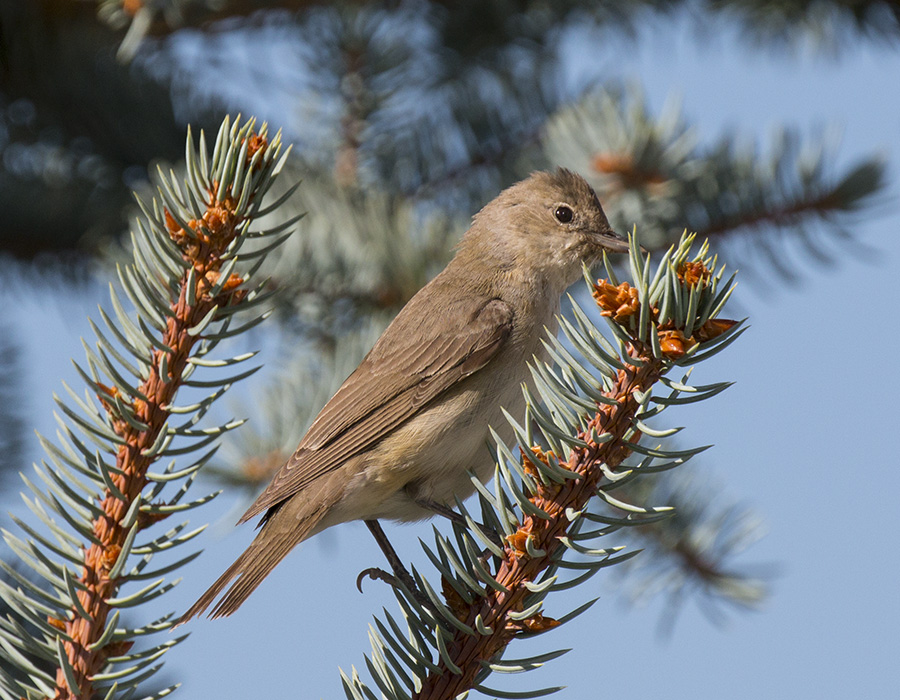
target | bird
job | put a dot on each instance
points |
(402, 434)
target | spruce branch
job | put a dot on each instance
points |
(531, 548)
(823, 200)
(194, 266)
(583, 439)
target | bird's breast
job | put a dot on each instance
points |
(430, 456)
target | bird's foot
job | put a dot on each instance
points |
(376, 574)
(401, 578)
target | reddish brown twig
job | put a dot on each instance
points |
(203, 248)
(780, 216)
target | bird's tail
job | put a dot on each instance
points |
(281, 533)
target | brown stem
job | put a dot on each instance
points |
(786, 215)
(202, 247)
(353, 121)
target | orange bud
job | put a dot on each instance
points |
(256, 143)
(110, 556)
(693, 273)
(539, 623)
(517, 542)
(618, 302)
(218, 220)
(528, 464)
(613, 163)
(628, 171)
(171, 224)
(214, 220)
(673, 343)
(104, 395)
(713, 328)
(178, 235)
(539, 453)
(119, 648)
(111, 390)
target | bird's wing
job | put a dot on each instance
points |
(400, 375)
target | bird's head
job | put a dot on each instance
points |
(550, 224)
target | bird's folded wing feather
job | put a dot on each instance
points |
(397, 378)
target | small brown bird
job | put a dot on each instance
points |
(397, 439)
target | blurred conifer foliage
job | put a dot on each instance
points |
(406, 117)
(426, 101)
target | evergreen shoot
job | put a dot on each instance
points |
(127, 451)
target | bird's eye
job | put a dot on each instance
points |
(563, 214)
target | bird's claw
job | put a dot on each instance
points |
(397, 582)
(375, 574)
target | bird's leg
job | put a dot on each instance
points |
(442, 510)
(453, 516)
(400, 575)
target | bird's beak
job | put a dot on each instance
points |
(612, 242)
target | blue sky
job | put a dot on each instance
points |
(804, 438)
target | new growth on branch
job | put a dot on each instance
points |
(195, 267)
